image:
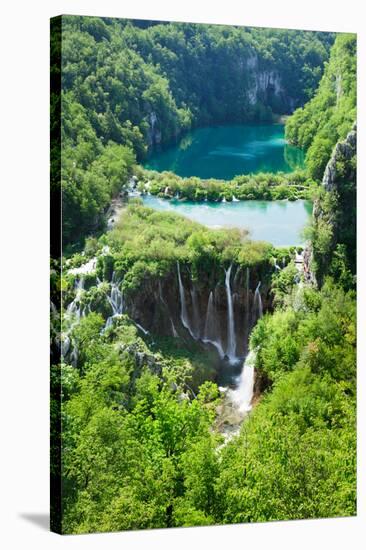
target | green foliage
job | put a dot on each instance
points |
(284, 282)
(333, 229)
(139, 445)
(147, 244)
(295, 456)
(125, 88)
(319, 332)
(261, 186)
(331, 113)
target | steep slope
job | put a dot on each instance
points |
(329, 116)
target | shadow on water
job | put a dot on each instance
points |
(40, 520)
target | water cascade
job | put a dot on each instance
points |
(73, 310)
(196, 315)
(144, 330)
(210, 332)
(242, 396)
(72, 317)
(174, 331)
(183, 305)
(115, 299)
(257, 306)
(231, 341)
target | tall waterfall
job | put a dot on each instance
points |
(115, 299)
(196, 314)
(231, 341)
(242, 396)
(210, 333)
(72, 317)
(183, 305)
(73, 310)
(258, 306)
(209, 328)
(247, 302)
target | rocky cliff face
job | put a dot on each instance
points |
(157, 305)
(343, 152)
(334, 215)
(265, 86)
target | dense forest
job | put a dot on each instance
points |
(147, 315)
(129, 86)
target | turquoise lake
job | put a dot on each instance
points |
(278, 222)
(223, 152)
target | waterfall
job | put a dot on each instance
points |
(258, 306)
(209, 318)
(210, 332)
(243, 394)
(247, 293)
(183, 305)
(196, 315)
(115, 299)
(174, 332)
(144, 330)
(74, 308)
(231, 343)
(72, 317)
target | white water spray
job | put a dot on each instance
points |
(183, 305)
(210, 332)
(196, 315)
(258, 306)
(231, 342)
(116, 300)
(242, 396)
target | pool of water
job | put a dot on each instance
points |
(223, 152)
(278, 222)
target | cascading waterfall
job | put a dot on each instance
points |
(242, 396)
(73, 310)
(231, 341)
(209, 318)
(72, 317)
(115, 299)
(183, 305)
(210, 331)
(257, 306)
(247, 295)
(196, 315)
(144, 330)
(174, 331)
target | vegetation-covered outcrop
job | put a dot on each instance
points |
(154, 312)
(129, 85)
(262, 186)
(330, 114)
(333, 230)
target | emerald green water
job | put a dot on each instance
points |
(278, 222)
(223, 152)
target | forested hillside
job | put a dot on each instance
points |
(128, 86)
(160, 325)
(329, 116)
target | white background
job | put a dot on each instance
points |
(24, 209)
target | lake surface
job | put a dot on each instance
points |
(278, 222)
(223, 152)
